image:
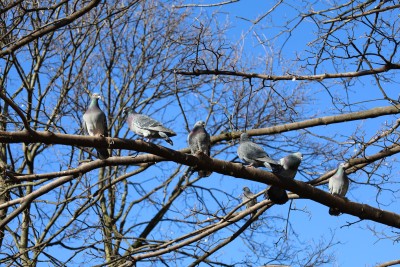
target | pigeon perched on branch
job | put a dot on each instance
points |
(287, 168)
(147, 127)
(338, 185)
(288, 165)
(95, 123)
(199, 140)
(253, 154)
(249, 197)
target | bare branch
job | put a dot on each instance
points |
(53, 26)
(388, 263)
(206, 5)
(294, 77)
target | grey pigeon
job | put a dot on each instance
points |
(253, 154)
(199, 140)
(287, 168)
(147, 127)
(338, 185)
(95, 123)
(249, 197)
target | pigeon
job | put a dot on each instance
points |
(199, 140)
(147, 127)
(338, 185)
(253, 154)
(287, 168)
(95, 123)
(248, 197)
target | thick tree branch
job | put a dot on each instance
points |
(160, 153)
(360, 115)
(98, 142)
(223, 167)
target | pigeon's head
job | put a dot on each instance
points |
(97, 96)
(341, 165)
(244, 137)
(298, 155)
(291, 161)
(246, 189)
(199, 124)
(128, 110)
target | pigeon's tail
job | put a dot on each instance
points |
(334, 211)
(169, 141)
(277, 195)
(273, 165)
(267, 165)
(166, 138)
(203, 173)
(276, 168)
(102, 153)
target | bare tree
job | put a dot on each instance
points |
(179, 63)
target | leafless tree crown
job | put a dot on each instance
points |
(321, 79)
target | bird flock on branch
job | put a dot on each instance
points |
(95, 124)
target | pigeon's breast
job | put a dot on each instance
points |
(94, 124)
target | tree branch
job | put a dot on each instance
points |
(51, 27)
(223, 167)
(389, 263)
(48, 137)
(18, 110)
(318, 77)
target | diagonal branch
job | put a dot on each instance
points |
(236, 170)
(160, 153)
(388, 66)
(18, 110)
(53, 26)
(116, 143)
(388, 263)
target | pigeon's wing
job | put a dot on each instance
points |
(85, 130)
(192, 141)
(255, 151)
(204, 142)
(250, 151)
(344, 184)
(331, 183)
(105, 126)
(147, 123)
